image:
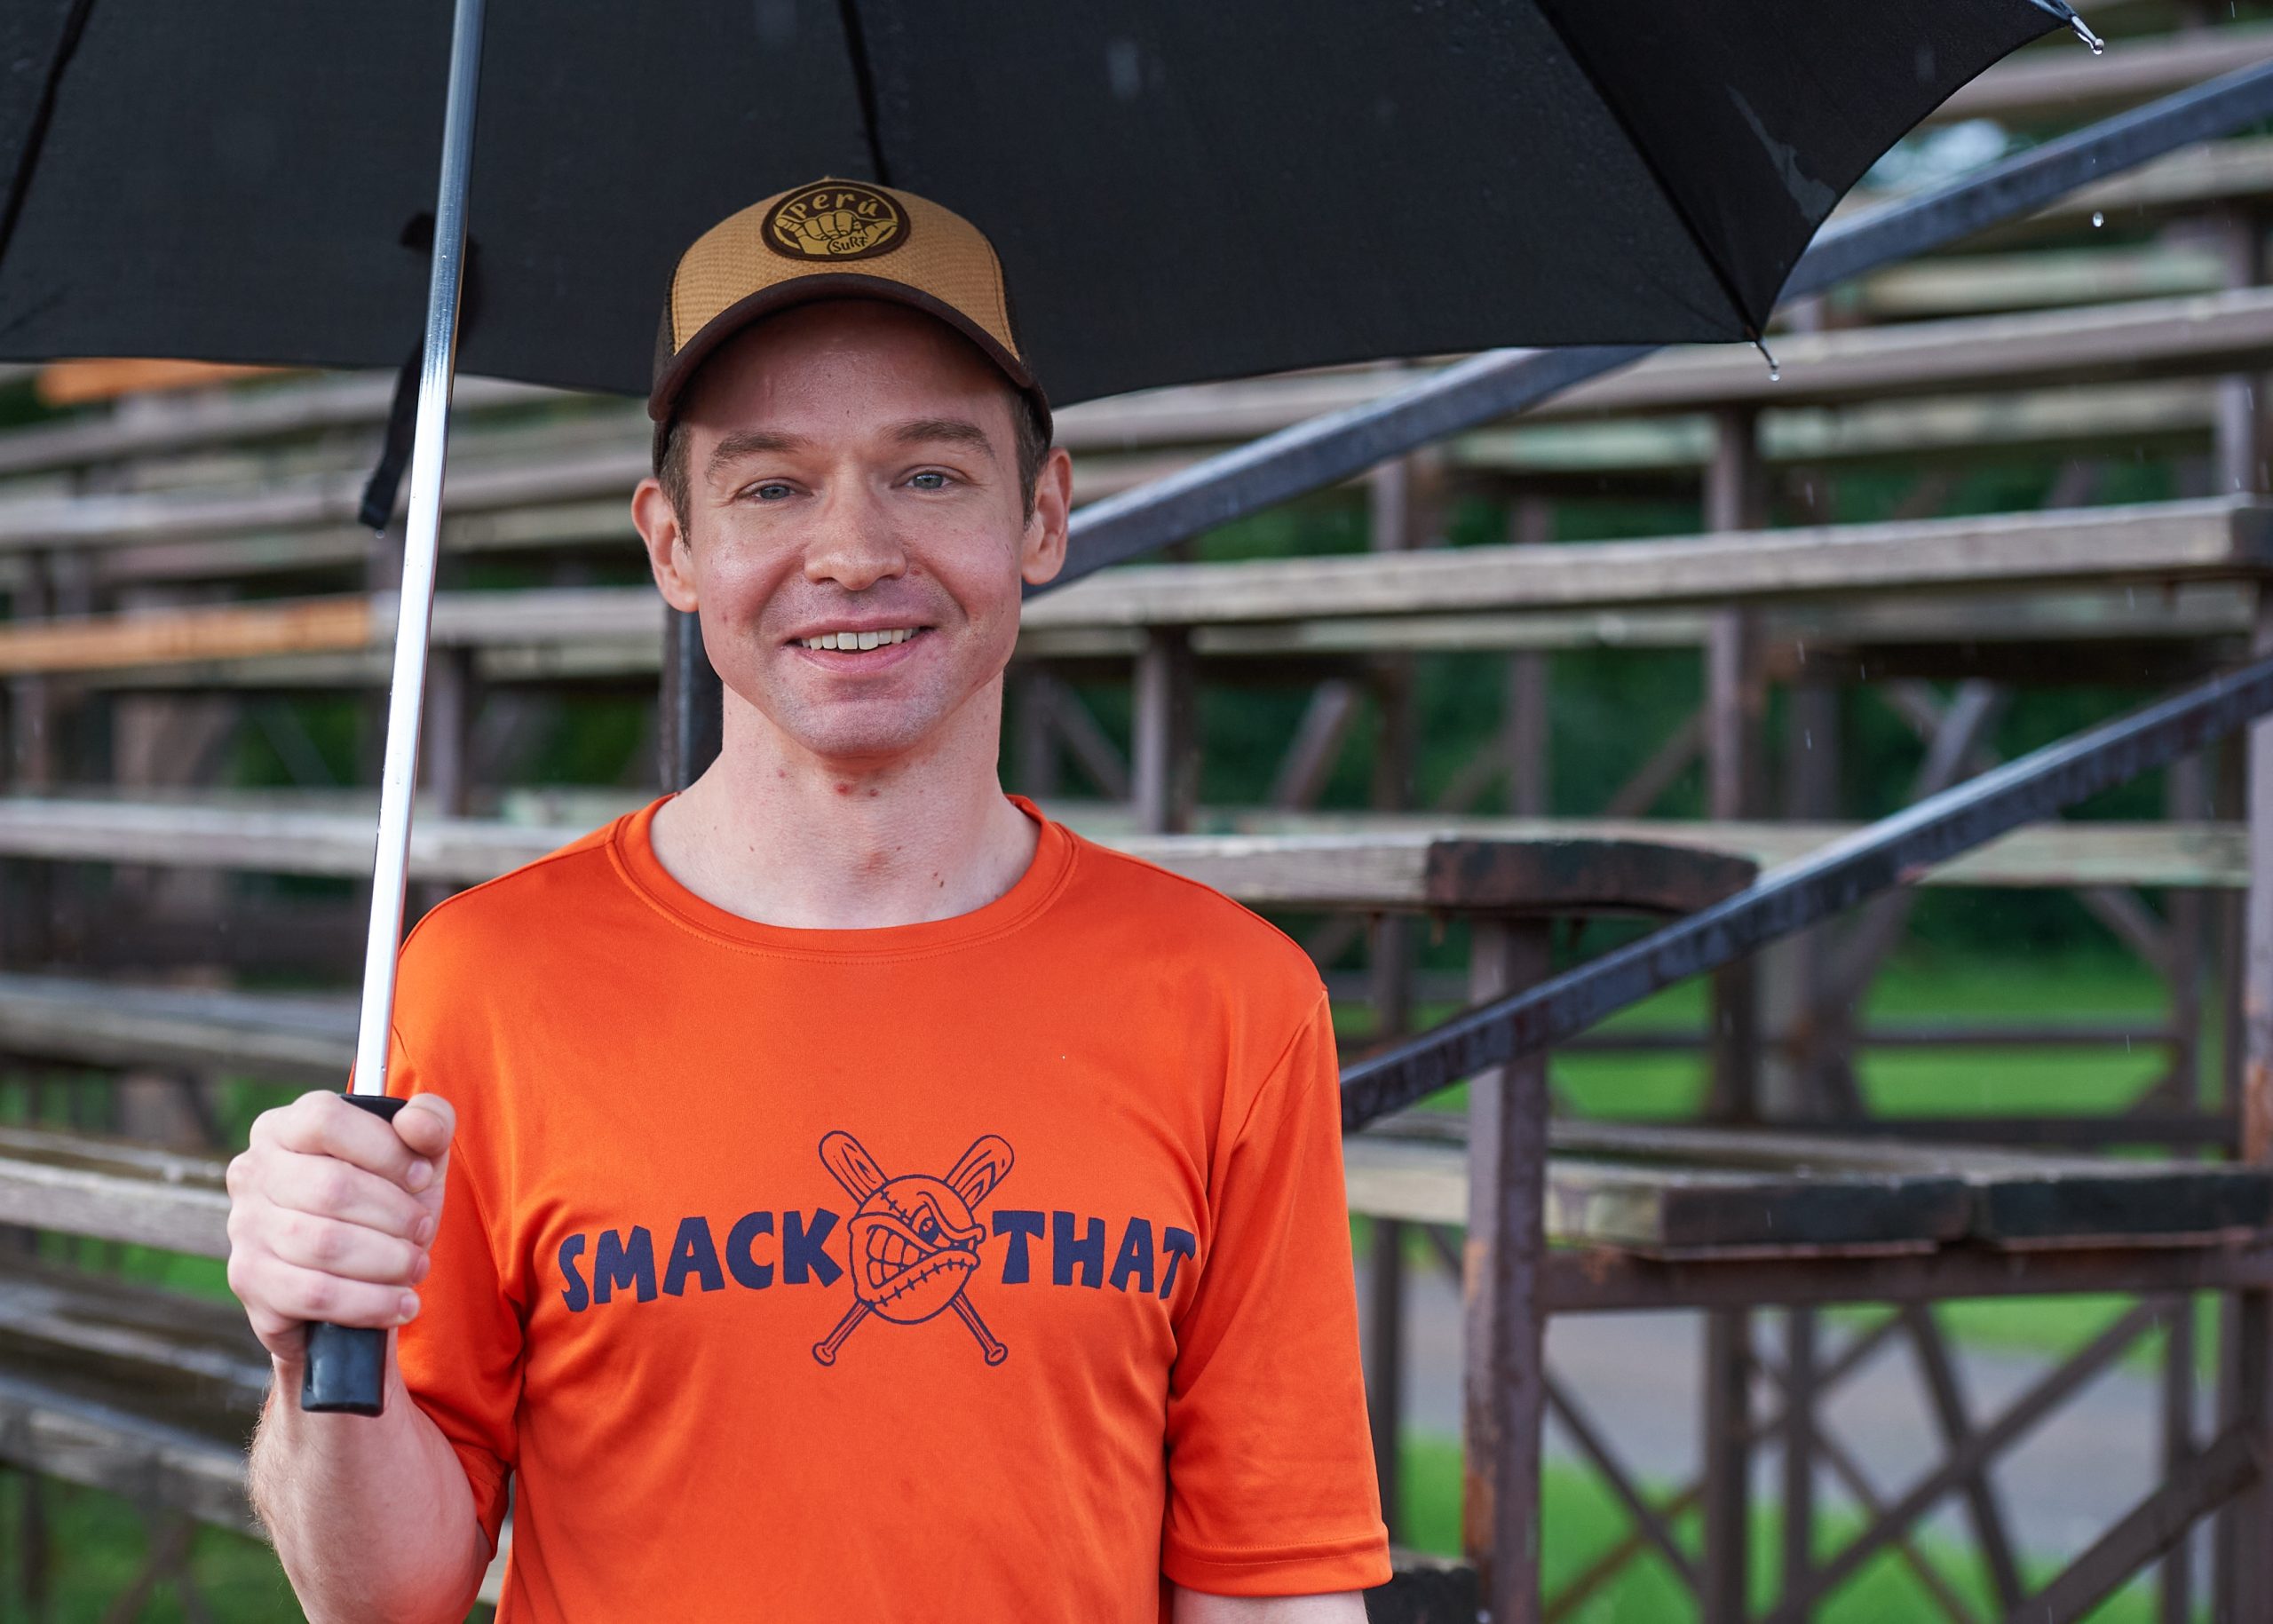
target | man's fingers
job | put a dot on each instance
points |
(348, 1250)
(325, 1124)
(328, 1187)
(286, 1289)
(426, 1125)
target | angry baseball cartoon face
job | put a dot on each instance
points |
(913, 1242)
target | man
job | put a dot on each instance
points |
(865, 1199)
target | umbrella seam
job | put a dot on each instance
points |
(35, 135)
(1674, 200)
(864, 86)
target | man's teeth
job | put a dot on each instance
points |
(860, 639)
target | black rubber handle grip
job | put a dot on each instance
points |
(346, 1372)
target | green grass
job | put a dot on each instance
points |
(96, 1544)
(1581, 1521)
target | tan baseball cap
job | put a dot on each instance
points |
(833, 239)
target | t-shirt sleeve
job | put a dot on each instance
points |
(1271, 1472)
(460, 1357)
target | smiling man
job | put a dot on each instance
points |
(864, 1198)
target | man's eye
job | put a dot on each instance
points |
(929, 480)
(773, 490)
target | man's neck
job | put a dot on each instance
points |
(776, 835)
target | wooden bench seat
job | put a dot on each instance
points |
(1672, 1192)
(2161, 542)
(146, 1394)
(1262, 857)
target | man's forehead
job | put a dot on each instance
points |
(907, 342)
(799, 376)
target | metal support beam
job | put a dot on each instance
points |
(693, 703)
(1503, 1348)
(1385, 1370)
(1165, 769)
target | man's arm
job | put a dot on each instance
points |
(372, 1518)
(332, 1213)
(1199, 1607)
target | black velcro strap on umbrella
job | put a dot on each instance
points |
(402, 415)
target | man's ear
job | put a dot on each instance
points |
(669, 557)
(1042, 553)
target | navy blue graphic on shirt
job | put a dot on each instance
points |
(912, 1246)
(915, 1239)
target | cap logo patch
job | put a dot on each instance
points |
(836, 221)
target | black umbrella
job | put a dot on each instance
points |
(1179, 191)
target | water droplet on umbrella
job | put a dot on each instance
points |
(2098, 219)
(1124, 68)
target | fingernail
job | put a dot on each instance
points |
(421, 1174)
(422, 1231)
(425, 1262)
(409, 1311)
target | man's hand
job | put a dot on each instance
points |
(331, 1211)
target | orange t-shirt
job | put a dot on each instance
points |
(994, 1268)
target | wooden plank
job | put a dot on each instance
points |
(77, 383)
(2061, 77)
(111, 1330)
(2045, 856)
(1264, 858)
(1672, 1192)
(167, 637)
(102, 1445)
(2170, 541)
(2232, 171)
(160, 428)
(2132, 340)
(283, 1036)
(113, 1190)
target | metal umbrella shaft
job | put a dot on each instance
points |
(346, 1366)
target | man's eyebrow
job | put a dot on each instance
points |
(955, 431)
(745, 443)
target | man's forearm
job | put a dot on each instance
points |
(1197, 1607)
(372, 1518)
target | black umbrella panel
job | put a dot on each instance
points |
(1180, 189)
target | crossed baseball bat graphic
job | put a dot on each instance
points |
(914, 1239)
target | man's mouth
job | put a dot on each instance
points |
(855, 641)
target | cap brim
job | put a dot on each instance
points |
(810, 289)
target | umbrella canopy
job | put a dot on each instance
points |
(1180, 189)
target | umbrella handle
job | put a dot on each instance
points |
(346, 1370)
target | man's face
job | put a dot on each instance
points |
(852, 479)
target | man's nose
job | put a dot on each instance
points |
(856, 546)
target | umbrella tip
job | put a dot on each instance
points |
(1775, 372)
(2067, 14)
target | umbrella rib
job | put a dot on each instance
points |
(20, 183)
(863, 85)
(1648, 160)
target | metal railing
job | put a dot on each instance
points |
(1874, 859)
